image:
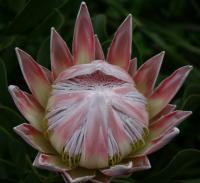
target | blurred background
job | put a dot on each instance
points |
(170, 25)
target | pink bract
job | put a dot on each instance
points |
(95, 118)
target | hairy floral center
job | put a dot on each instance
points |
(96, 116)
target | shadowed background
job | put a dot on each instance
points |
(170, 25)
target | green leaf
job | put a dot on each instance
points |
(4, 94)
(136, 50)
(32, 14)
(189, 181)
(14, 5)
(191, 89)
(99, 24)
(183, 166)
(12, 151)
(31, 178)
(175, 38)
(6, 41)
(161, 42)
(191, 102)
(54, 19)
(9, 118)
(43, 54)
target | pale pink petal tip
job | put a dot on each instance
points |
(146, 76)
(159, 143)
(34, 138)
(50, 162)
(169, 108)
(83, 40)
(35, 76)
(118, 170)
(99, 55)
(136, 164)
(154, 145)
(167, 90)
(119, 52)
(166, 123)
(61, 57)
(28, 106)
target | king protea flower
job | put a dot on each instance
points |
(95, 118)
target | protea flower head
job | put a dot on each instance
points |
(95, 118)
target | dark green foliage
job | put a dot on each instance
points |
(170, 25)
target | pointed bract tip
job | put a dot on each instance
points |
(17, 50)
(187, 68)
(83, 3)
(15, 129)
(182, 114)
(161, 55)
(128, 18)
(127, 23)
(190, 67)
(188, 113)
(129, 15)
(83, 10)
(11, 87)
(53, 32)
(134, 59)
(52, 29)
(176, 131)
(163, 52)
(20, 53)
(83, 6)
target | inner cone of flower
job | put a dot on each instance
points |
(93, 117)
